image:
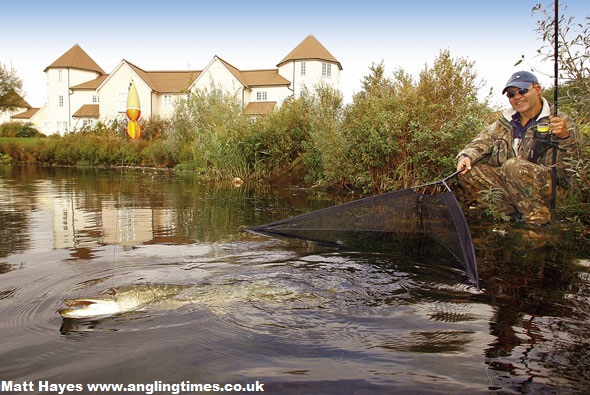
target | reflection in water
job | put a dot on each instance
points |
(299, 317)
(83, 208)
(530, 277)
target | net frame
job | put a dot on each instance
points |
(416, 215)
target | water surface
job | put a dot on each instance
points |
(292, 315)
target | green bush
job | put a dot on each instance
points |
(206, 130)
(575, 202)
(274, 142)
(399, 133)
(18, 129)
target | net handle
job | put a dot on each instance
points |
(454, 174)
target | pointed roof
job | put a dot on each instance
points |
(310, 49)
(75, 58)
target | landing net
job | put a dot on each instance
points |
(412, 219)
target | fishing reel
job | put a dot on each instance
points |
(543, 141)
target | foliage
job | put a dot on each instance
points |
(205, 130)
(573, 57)
(80, 149)
(400, 133)
(18, 129)
(324, 150)
(298, 129)
(492, 199)
(575, 203)
(10, 88)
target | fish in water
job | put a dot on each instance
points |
(219, 295)
(124, 299)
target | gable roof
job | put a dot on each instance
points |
(310, 49)
(234, 70)
(253, 78)
(166, 81)
(75, 58)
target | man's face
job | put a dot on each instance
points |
(524, 100)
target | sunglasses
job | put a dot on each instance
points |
(522, 91)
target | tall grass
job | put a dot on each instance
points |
(101, 146)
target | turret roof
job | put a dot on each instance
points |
(75, 58)
(310, 49)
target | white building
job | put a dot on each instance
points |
(80, 93)
(73, 68)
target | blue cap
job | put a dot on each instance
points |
(521, 80)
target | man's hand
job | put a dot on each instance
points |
(464, 164)
(558, 126)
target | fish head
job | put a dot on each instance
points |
(109, 302)
(89, 308)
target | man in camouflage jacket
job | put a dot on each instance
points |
(514, 154)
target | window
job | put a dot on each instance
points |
(60, 75)
(121, 101)
(261, 96)
(61, 101)
(326, 70)
(216, 93)
(168, 100)
(62, 127)
(302, 68)
(95, 98)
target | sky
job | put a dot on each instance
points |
(181, 35)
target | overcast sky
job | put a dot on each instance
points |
(180, 35)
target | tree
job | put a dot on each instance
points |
(403, 131)
(573, 57)
(10, 88)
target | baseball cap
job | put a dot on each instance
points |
(521, 79)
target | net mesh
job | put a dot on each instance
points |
(422, 219)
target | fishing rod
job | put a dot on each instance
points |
(555, 100)
(555, 57)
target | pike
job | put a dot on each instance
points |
(114, 301)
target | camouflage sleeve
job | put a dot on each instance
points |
(482, 144)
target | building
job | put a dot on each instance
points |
(21, 112)
(80, 93)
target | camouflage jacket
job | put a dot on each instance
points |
(496, 142)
